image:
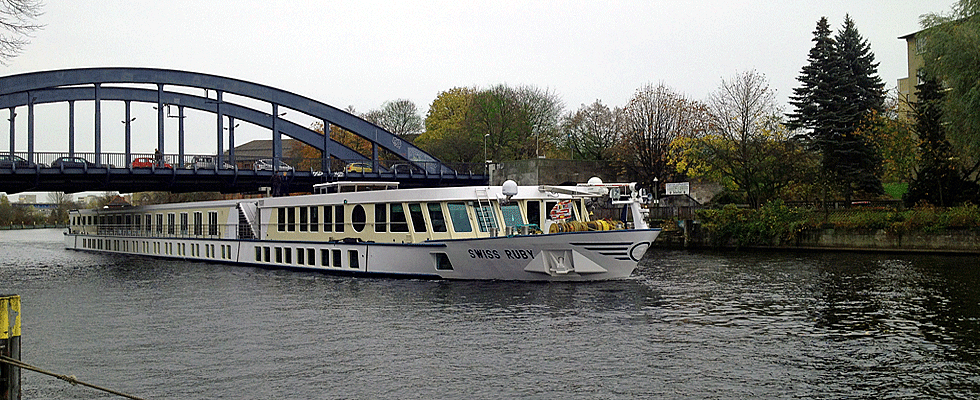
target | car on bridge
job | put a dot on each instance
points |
(147, 162)
(71, 162)
(201, 162)
(12, 161)
(265, 164)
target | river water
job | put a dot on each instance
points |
(687, 325)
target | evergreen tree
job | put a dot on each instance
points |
(839, 90)
(939, 180)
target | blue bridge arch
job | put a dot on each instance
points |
(109, 84)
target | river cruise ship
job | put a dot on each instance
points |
(508, 232)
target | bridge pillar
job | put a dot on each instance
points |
(160, 125)
(180, 133)
(129, 136)
(98, 125)
(13, 132)
(221, 130)
(71, 129)
(276, 138)
(231, 144)
(30, 127)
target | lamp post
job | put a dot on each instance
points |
(656, 191)
(486, 162)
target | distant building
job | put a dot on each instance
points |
(916, 46)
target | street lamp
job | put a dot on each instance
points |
(656, 191)
(486, 162)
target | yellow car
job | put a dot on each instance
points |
(359, 167)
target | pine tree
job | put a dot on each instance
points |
(839, 90)
(938, 181)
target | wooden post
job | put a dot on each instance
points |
(9, 346)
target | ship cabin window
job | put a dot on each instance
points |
(324, 257)
(512, 215)
(485, 217)
(337, 260)
(435, 215)
(338, 218)
(418, 221)
(461, 221)
(327, 218)
(442, 262)
(315, 219)
(137, 222)
(291, 219)
(159, 223)
(198, 223)
(300, 256)
(265, 253)
(289, 255)
(304, 222)
(353, 258)
(171, 223)
(398, 221)
(281, 218)
(310, 256)
(213, 223)
(358, 218)
(533, 212)
(148, 219)
(183, 223)
(279, 255)
(258, 253)
(380, 217)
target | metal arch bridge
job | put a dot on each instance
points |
(228, 173)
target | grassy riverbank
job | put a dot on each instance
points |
(776, 224)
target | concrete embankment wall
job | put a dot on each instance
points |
(950, 241)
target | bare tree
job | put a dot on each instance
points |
(651, 121)
(17, 20)
(400, 117)
(591, 132)
(745, 142)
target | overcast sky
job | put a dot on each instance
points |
(362, 53)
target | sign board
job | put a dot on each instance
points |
(676, 189)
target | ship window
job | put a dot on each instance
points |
(137, 221)
(279, 255)
(183, 223)
(282, 219)
(258, 253)
(291, 219)
(358, 218)
(171, 225)
(353, 258)
(380, 217)
(485, 218)
(289, 254)
(315, 219)
(442, 262)
(129, 221)
(300, 256)
(533, 212)
(327, 219)
(310, 256)
(159, 223)
(512, 215)
(461, 221)
(398, 221)
(198, 223)
(338, 218)
(548, 206)
(324, 257)
(435, 215)
(336, 258)
(213, 223)
(265, 253)
(148, 219)
(304, 222)
(418, 221)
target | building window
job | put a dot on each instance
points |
(920, 44)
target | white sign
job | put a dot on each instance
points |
(675, 189)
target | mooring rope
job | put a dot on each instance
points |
(67, 378)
